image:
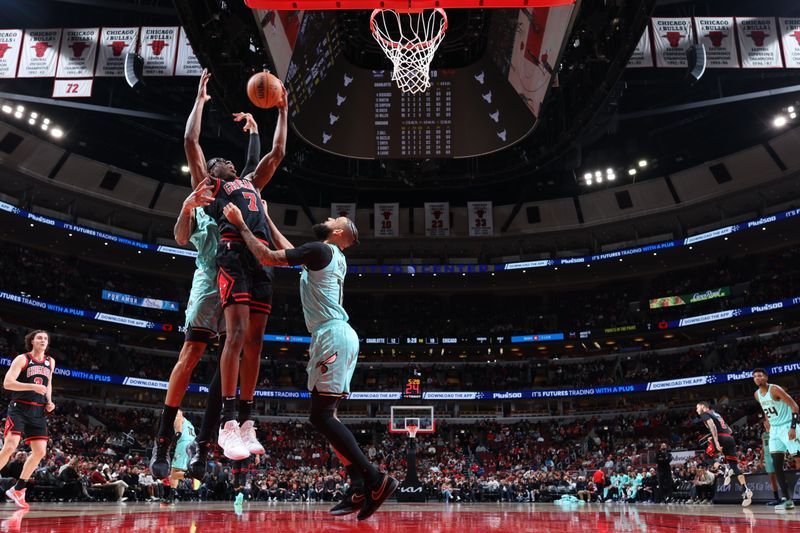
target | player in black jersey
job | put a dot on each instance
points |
(30, 380)
(245, 287)
(721, 441)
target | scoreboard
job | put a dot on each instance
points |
(412, 390)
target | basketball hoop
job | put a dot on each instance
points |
(409, 38)
(412, 430)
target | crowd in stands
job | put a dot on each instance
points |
(752, 280)
(99, 453)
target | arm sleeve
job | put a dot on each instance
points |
(253, 154)
(314, 255)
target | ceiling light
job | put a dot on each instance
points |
(20, 108)
(589, 181)
(642, 163)
(611, 177)
(185, 169)
(18, 114)
(598, 174)
(631, 172)
(599, 179)
(790, 109)
(793, 115)
(57, 133)
(7, 109)
(31, 121)
(45, 126)
(34, 114)
(587, 176)
(47, 121)
(609, 171)
(779, 121)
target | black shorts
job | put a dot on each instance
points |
(26, 420)
(728, 448)
(241, 279)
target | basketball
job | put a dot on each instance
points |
(264, 90)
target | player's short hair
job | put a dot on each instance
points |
(704, 404)
(211, 163)
(763, 371)
(30, 336)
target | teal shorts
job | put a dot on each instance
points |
(779, 441)
(769, 466)
(184, 450)
(204, 316)
(333, 357)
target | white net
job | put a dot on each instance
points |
(409, 40)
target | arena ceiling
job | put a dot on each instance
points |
(599, 115)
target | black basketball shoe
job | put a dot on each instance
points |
(352, 501)
(160, 461)
(199, 461)
(376, 495)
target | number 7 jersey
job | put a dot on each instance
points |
(244, 195)
(777, 412)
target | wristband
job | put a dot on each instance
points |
(795, 418)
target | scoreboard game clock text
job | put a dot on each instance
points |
(413, 388)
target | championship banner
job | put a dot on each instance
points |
(480, 219)
(138, 301)
(643, 53)
(790, 32)
(437, 219)
(159, 49)
(673, 37)
(718, 35)
(78, 52)
(114, 44)
(39, 53)
(343, 210)
(10, 45)
(72, 88)
(758, 42)
(188, 64)
(683, 299)
(387, 220)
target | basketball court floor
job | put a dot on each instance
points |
(395, 518)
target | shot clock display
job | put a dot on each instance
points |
(413, 387)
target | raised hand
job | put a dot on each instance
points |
(250, 123)
(202, 89)
(200, 196)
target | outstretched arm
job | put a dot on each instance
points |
(281, 242)
(253, 143)
(262, 253)
(191, 137)
(269, 163)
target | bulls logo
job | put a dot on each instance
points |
(795, 34)
(38, 381)
(4, 47)
(158, 46)
(78, 47)
(386, 215)
(480, 213)
(437, 214)
(40, 48)
(758, 37)
(323, 365)
(674, 38)
(716, 38)
(117, 47)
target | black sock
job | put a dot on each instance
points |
(323, 409)
(245, 408)
(208, 429)
(777, 459)
(776, 495)
(228, 408)
(165, 428)
(356, 480)
(23, 483)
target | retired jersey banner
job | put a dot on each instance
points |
(343, 210)
(387, 220)
(481, 222)
(114, 44)
(159, 49)
(188, 64)
(73, 88)
(39, 53)
(692, 298)
(719, 37)
(673, 37)
(78, 52)
(10, 45)
(437, 219)
(643, 53)
(790, 32)
(758, 42)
